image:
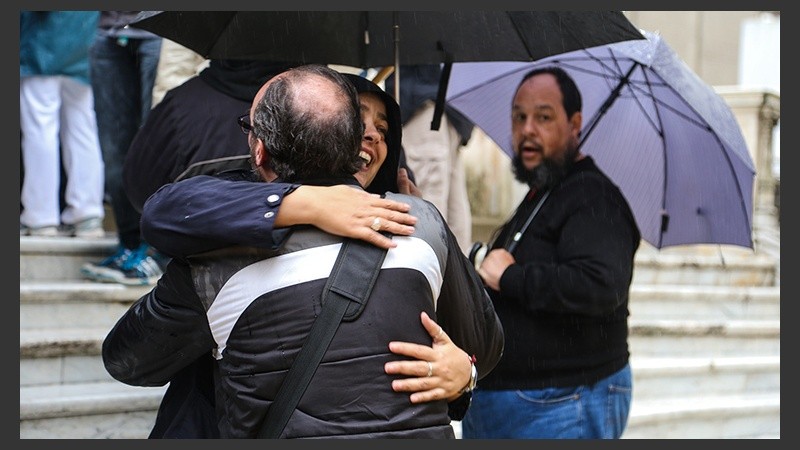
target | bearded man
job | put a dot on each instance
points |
(559, 273)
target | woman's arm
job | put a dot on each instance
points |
(204, 213)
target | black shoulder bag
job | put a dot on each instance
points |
(343, 298)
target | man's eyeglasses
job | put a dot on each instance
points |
(244, 123)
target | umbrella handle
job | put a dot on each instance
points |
(382, 74)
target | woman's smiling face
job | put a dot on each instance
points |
(373, 145)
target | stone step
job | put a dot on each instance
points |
(663, 301)
(74, 304)
(59, 304)
(43, 343)
(60, 258)
(704, 338)
(67, 354)
(675, 377)
(704, 270)
(754, 416)
(99, 410)
(115, 410)
(61, 356)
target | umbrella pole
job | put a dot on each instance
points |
(444, 79)
(396, 28)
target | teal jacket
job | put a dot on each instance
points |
(56, 43)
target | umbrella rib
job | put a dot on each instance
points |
(521, 36)
(612, 97)
(660, 128)
(488, 82)
(650, 94)
(219, 33)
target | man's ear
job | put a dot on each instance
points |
(259, 153)
(575, 122)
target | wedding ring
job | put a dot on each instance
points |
(376, 224)
(430, 368)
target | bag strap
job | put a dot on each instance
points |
(343, 298)
(516, 237)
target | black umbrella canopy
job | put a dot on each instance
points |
(368, 39)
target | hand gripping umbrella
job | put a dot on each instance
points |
(368, 39)
(669, 141)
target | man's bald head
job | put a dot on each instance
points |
(309, 121)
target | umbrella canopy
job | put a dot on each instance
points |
(669, 141)
(368, 39)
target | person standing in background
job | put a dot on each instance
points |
(124, 61)
(175, 65)
(435, 155)
(559, 280)
(57, 110)
(191, 127)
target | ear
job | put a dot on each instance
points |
(575, 122)
(259, 153)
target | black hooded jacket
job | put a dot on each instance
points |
(194, 127)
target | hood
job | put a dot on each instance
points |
(386, 178)
(241, 79)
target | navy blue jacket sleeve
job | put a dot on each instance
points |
(205, 213)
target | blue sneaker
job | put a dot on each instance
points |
(109, 270)
(140, 268)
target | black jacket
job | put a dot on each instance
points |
(194, 123)
(253, 308)
(564, 303)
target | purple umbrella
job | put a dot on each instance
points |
(669, 141)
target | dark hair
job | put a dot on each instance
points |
(305, 142)
(571, 95)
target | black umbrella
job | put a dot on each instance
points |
(368, 39)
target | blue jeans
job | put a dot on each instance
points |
(599, 411)
(123, 74)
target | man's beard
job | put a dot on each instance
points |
(548, 173)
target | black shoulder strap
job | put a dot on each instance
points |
(344, 298)
(516, 236)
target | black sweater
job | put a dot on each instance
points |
(564, 303)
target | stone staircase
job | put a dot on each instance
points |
(65, 391)
(705, 345)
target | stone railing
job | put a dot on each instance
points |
(758, 112)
